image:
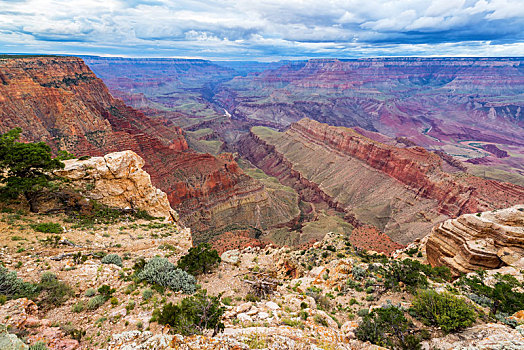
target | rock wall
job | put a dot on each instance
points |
(485, 240)
(417, 168)
(59, 100)
(401, 191)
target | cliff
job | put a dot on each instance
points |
(401, 191)
(435, 102)
(60, 101)
(485, 240)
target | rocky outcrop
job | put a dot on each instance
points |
(22, 315)
(118, 181)
(60, 101)
(402, 191)
(485, 240)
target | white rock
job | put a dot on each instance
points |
(272, 305)
(231, 256)
(263, 315)
(243, 317)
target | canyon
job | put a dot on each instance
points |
(377, 180)
(60, 101)
(434, 102)
(403, 192)
(468, 108)
(339, 221)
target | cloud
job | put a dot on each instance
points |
(235, 29)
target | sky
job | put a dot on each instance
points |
(265, 30)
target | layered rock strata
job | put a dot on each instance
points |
(60, 101)
(401, 191)
(485, 240)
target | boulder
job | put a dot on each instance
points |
(231, 256)
(11, 342)
(118, 181)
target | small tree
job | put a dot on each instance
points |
(193, 314)
(25, 168)
(200, 259)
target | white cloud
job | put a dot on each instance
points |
(265, 27)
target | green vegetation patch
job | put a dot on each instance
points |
(48, 227)
(192, 315)
(450, 313)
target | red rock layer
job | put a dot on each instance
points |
(59, 100)
(239, 239)
(369, 237)
(418, 169)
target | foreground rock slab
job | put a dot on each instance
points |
(485, 240)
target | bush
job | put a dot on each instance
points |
(114, 259)
(403, 271)
(358, 272)
(48, 227)
(147, 294)
(388, 327)
(90, 292)
(503, 297)
(95, 302)
(13, 287)
(130, 305)
(200, 259)
(106, 291)
(193, 314)
(78, 307)
(52, 291)
(161, 272)
(38, 346)
(444, 310)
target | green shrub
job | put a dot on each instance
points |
(363, 312)
(503, 297)
(251, 297)
(95, 302)
(193, 314)
(200, 259)
(13, 287)
(90, 292)
(38, 346)
(161, 272)
(130, 305)
(48, 227)
(404, 271)
(106, 291)
(444, 310)
(78, 307)
(320, 321)
(388, 327)
(147, 294)
(53, 292)
(358, 272)
(114, 259)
